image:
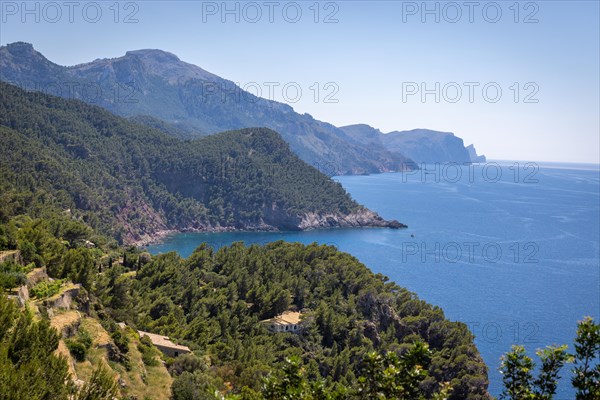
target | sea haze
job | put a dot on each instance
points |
(511, 250)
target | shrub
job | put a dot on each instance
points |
(148, 351)
(84, 338)
(121, 340)
(115, 355)
(186, 363)
(12, 275)
(77, 349)
(12, 280)
(46, 289)
(79, 346)
(145, 340)
(149, 359)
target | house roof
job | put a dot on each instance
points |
(287, 318)
(164, 341)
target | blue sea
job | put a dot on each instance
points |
(512, 249)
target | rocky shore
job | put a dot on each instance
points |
(363, 218)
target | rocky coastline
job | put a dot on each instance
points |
(363, 218)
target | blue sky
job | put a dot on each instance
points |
(369, 62)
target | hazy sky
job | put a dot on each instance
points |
(519, 80)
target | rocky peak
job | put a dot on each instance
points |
(168, 66)
(20, 47)
(154, 55)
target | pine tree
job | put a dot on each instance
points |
(586, 377)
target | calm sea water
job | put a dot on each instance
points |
(513, 250)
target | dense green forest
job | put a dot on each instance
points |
(31, 370)
(213, 302)
(361, 336)
(129, 180)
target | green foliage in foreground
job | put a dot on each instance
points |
(29, 366)
(101, 386)
(384, 376)
(586, 374)
(392, 376)
(517, 368)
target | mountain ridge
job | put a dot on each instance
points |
(133, 182)
(159, 84)
(420, 145)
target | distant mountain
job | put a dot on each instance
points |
(420, 145)
(428, 146)
(193, 101)
(473, 154)
(131, 181)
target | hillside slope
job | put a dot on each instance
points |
(84, 342)
(132, 181)
(346, 312)
(218, 303)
